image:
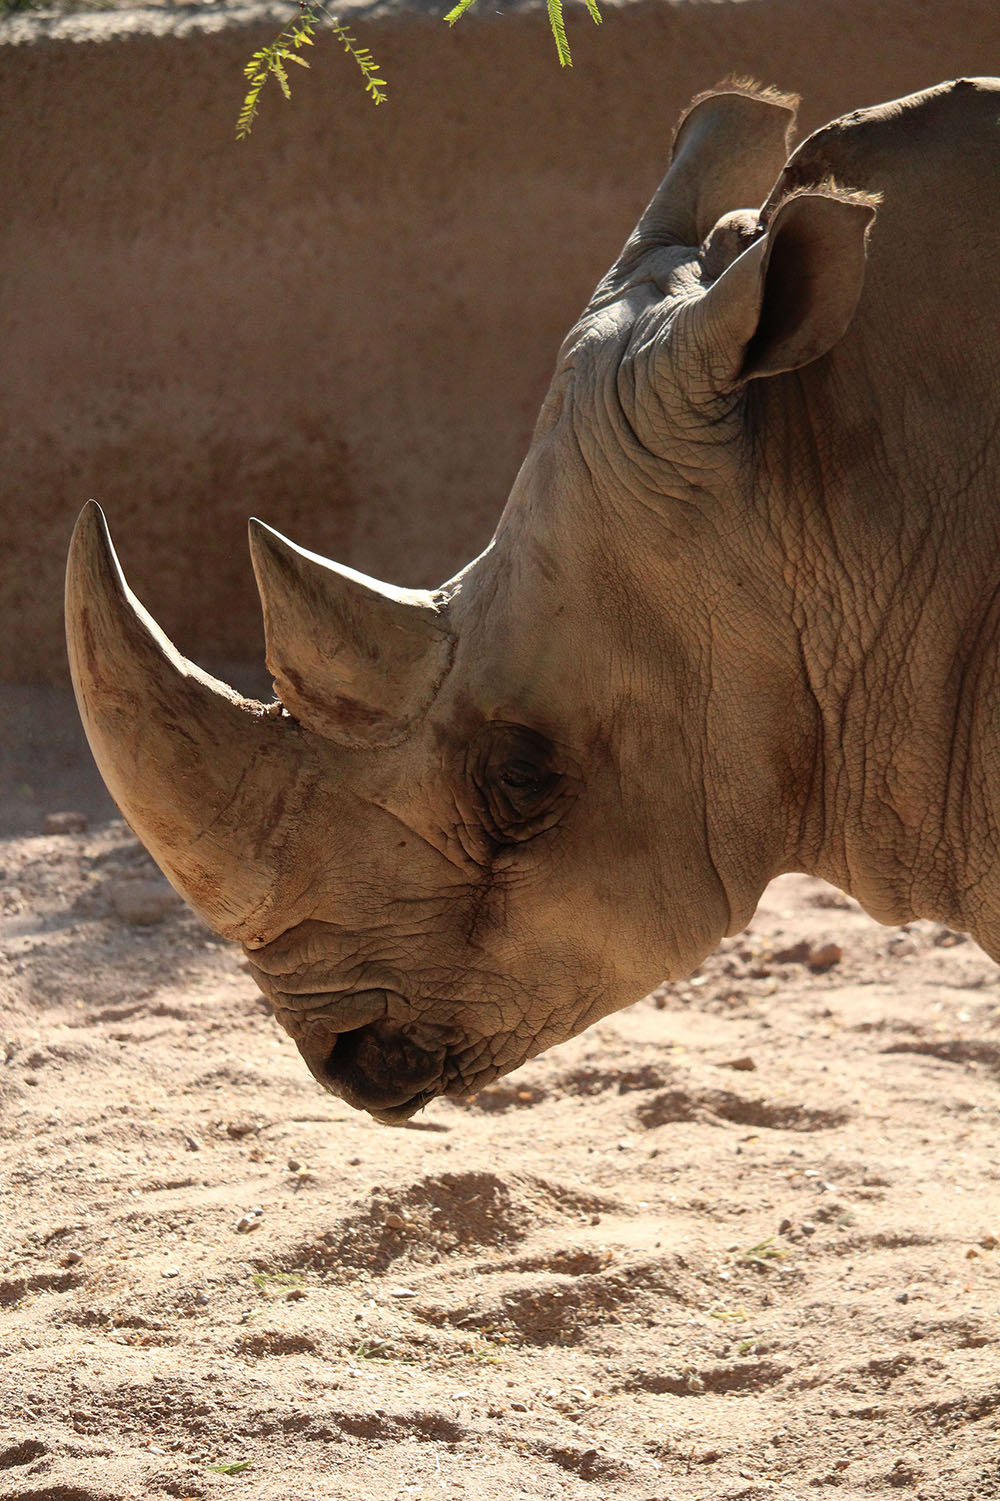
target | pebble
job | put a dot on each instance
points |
(249, 1221)
(294, 1165)
(808, 1228)
(192, 1143)
(825, 956)
(519, 1407)
(741, 1065)
(817, 956)
(295, 1294)
(171, 1271)
(395, 1221)
(65, 823)
(784, 1227)
(902, 1297)
(71, 1258)
(142, 901)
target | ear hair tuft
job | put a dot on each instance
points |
(828, 187)
(749, 88)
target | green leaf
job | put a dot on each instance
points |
(237, 1468)
(595, 14)
(459, 10)
(559, 32)
(279, 72)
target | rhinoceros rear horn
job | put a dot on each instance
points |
(729, 148)
(203, 776)
(356, 660)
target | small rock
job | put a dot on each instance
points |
(192, 1143)
(402, 1292)
(395, 1221)
(784, 1227)
(294, 1165)
(796, 953)
(65, 823)
(71, 1258)
(972, 1254)
(825, 956)
(519, 1407)
(741, 1065)
(142, 901)
(989, 1242)
(808, 1228)
(249, 1221)
(295, 1294)
(902, 1297)
(902, 1474)
(171, 1271)
(201, 1299)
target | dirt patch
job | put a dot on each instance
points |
(739, 1241)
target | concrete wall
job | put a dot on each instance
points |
(344, 325)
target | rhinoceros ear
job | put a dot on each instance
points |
(354, 659)
(728, 150)
(791, 296)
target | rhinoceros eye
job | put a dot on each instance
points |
(518, 781)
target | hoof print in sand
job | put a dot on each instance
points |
(594, 1081)
(435, 1216)
(740, 1377)
(16, 1288)
(589, 1464)
(715, 1106)
(398, 1427)
(59, 1493)
(951, 1050)
(24, 1453)
(274, 1342)
(553, 1313)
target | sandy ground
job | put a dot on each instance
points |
(739, 1241)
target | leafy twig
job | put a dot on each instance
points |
(556, 22)
(374, 85)
(271, 61)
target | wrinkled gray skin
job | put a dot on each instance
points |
(739, 617)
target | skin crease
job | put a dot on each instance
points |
(750, 599)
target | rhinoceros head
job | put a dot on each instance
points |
(477, 819)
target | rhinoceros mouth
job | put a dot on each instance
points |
(371, 1062)
(383, 1069)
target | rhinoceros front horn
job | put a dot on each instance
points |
(354, 659)
(208, 780)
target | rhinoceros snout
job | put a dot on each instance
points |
(380, 1068)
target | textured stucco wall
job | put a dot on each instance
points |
(346, 324)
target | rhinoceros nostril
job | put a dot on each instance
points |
(381, 1069)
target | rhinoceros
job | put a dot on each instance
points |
(739, 617)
